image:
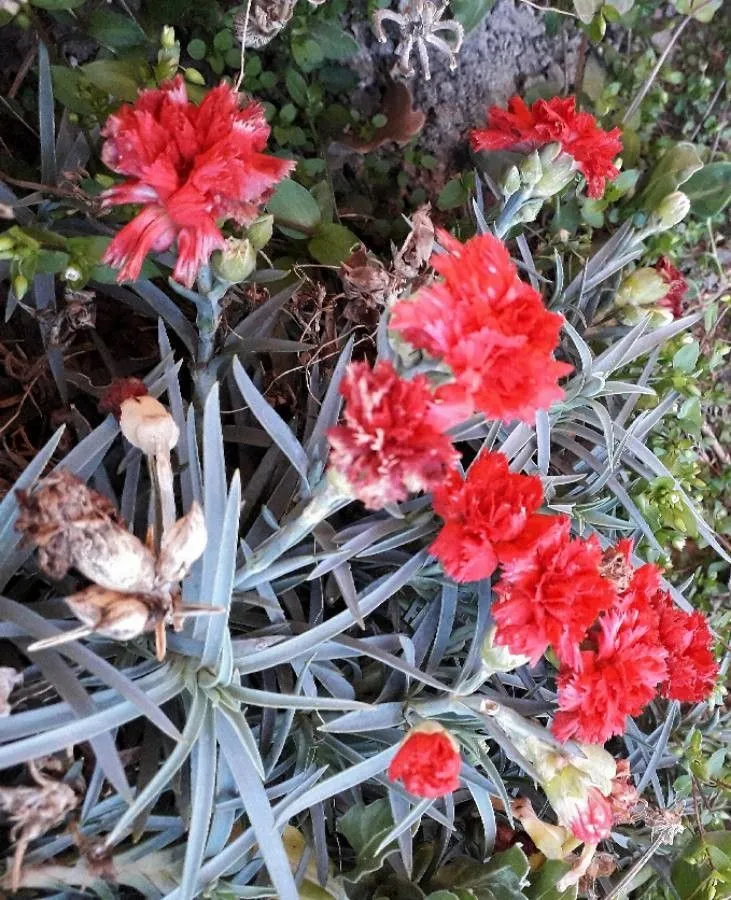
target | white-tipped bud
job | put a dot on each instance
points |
(499, 659)
(671, 210)
(181, 546)
(146, 424)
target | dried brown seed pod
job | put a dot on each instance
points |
(181, 546)
(75, 526)
(265, 20)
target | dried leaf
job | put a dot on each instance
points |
(403, 121)
(9, 679)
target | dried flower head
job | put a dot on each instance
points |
(9, 679)
(119, 390)
(181, 546)
(34, 811)
(74, 526)
(146, 424)
(115, 615)
(421, 26)
(266, 18)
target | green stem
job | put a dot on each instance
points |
(506, 217)
(325, 500)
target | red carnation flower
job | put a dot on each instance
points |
(692, 668)
(490, 328)
(677, 286)
(615, 678)
(392, 442)
(524, 128)
(482, 513)
(552, 596)
(428, 761)
(189, 166)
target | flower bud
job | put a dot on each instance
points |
(643, 287)
(260, 231)
(20, 286)
(194, 76)
(671, 210)
(511, 182)
(549, 153)
(146, 424)
(6, 243)
(236, 262)
(167, 37)
(556, 175)
(530, 169)
(529, 211)
(181, 546)
(499, 659)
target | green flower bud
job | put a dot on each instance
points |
(260, 231)
(556, 175)
(20, 286)
(530, 170)
(671, 210)
(236, 262)
(194, 76)
(6, 243)
(549, 153)
(644, 287)
(167, 38)
(529, 211)
(511, 182)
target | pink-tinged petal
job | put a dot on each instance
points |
(129, 192)
(148, 231)
(195, 246)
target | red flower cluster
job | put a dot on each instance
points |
(489, 327)
(640, 645)
(522, 127)
(550, 594)
(188, 166)
(677, 286)
(392, 442)
(485, 514)
(428, 762)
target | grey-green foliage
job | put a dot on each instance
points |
(280, 710)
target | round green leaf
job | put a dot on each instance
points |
(709, 189)
(332, 244)
(294, 207)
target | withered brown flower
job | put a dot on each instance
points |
(74, 526)
(34, 811)
(133, 592)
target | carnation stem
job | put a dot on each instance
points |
(326, 500)
(506, 218)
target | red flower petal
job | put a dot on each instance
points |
(190, 166)
(391, 443)
(554, 121)
(428, 762)
(489, 327)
